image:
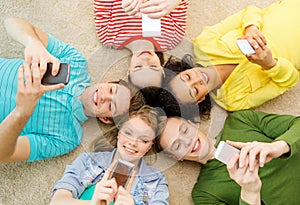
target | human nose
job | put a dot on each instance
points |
(186, 141)
(132, 141)
(105, 97)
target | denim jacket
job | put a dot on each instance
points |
(149, 186)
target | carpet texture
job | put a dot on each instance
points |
(72, 22)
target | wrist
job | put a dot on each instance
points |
(270, 65)
(251, 197)
(283, 146)
(23, 112)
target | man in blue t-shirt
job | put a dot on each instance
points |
(36, 124)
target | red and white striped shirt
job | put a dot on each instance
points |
(116, 29)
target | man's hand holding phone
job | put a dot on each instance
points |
(30, 88)
(35, 52)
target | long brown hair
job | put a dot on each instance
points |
(149, 115)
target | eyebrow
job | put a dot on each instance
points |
(190, 91)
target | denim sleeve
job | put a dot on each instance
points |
(73, 177)
(161, 195)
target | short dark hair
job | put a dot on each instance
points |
(137, 99)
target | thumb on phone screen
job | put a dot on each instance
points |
(130, 182)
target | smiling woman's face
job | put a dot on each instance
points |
(145, 69)
(190, 86)
(184, 141)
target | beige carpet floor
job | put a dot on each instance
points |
(72, 22)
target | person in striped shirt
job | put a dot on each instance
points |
(36, 124)
(119, 27)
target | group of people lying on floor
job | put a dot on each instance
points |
(155, 108)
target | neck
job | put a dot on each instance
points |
(225, 70)
(211, 150)
(140, 45)
(119, 156)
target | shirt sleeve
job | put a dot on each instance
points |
(161, 196)
(274, 126)
(73, 177)
(216, 44)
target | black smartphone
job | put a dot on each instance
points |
(122, 172)
(62, 76)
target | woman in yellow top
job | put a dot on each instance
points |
(237, 81)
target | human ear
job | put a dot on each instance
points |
(105, 120)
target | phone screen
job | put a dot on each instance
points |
(62, 76)
(122, 172)
(225, 152)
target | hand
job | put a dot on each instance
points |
(30, 90)
(105, 190)
(158, 8)
(35, 52)
(255, 37)
(259, 152)
(123, 197)
(262, 57)
(132, 7)
(248, 180)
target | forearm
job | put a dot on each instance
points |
(10, 129)
(62, 200)
(24, 32)
(252, 198)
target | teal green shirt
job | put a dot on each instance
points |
(280, 177)
(54, 127)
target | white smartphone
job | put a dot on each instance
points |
(245, 46)
(150, 27)
(225, 152)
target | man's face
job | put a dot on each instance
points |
(183, 140)
(106, 100)
(145, 69)
(190, 86)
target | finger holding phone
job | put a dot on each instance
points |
(105, 190)
(158, 8)
(123, 197)
(30, 88)
(35, 52)
(260, 56)
(255, 37)
(259, 152)
(249, 180)
(132, 7)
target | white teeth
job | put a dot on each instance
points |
(129, 150)
(206, 77)
(196, 146)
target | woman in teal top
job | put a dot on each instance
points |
(88, 177)
(268, 164)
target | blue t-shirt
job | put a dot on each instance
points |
(55, 125)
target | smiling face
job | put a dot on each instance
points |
(106, 100)
(184, 141)
(190, 86)
(135, 139)
(145, 69)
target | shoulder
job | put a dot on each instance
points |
(149, 173)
